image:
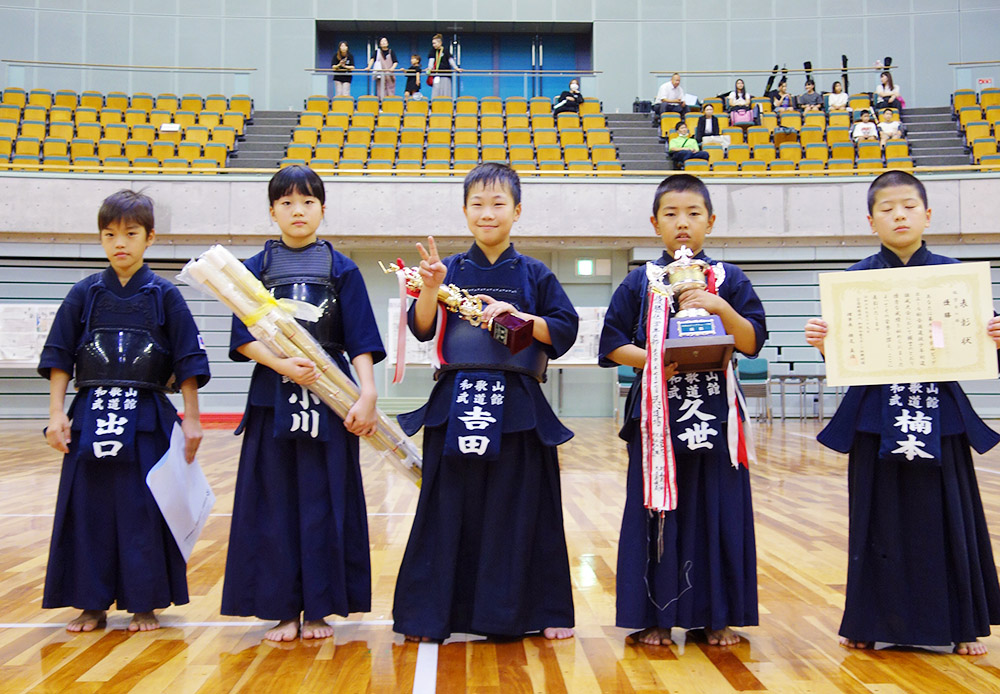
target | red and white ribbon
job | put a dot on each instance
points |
(659, 467)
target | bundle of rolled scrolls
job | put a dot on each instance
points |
(219, 273)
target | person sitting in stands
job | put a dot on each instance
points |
(865, 129)
(810, 101)
(684, 147)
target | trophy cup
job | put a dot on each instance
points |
(509, 330)
(696, 339)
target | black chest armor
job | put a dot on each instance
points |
(306, 274)
(125, 343)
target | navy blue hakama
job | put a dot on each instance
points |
(920, 564)
(110, 543)
(706, 576)
(298, 542)
(487, 550)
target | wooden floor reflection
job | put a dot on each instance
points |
(800, 502)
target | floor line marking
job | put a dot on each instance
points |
(425, 673)
(167, 624)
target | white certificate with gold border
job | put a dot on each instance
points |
(908, 325)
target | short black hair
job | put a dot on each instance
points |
(895, 178)
(682, 183)
(296, 179)
(490, 174)
(808, 82)
(126, 206)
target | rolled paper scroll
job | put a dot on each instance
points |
(218, 273)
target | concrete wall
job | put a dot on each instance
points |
(380, 213)
(277, 39)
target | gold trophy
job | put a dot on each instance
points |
(696, 339)
(509, 330)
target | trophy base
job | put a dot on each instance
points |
(699, 353)
(512, 332)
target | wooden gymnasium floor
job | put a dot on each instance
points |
(800, 500)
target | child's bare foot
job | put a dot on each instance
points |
(971, 648)
(722, 637)
(653, 636)
(287, 630)
(850, 643)
(88, 621)
(316, 629)
(417, 639)
(553, 633)
(144, 621)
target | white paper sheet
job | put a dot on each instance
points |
(182, 493)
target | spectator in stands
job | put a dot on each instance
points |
(343, 66)
(738, 99)
(837, 98)
(440, 67)
(413, 78)
(384, 63)
(708, 124)
(684, 147)
(888, 127)
(782, 100)
(887, 93)
(865, 129)
(810, 101)
(569, 101)
(669, 97)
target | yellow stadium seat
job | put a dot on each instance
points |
(66, 98)
(591, 106)
(598, 136)
(35, 113)
(466, 152)
(514, 105)
(146, 133)
(15, 96)
(189, 149)
(466, 136)
(595, 120)
(81, 147)
(763, 152)
(442, 105)
(242, 103)
(216, 103)
(523, 152)
(464, 105)
(410, 152)
(392, 105)
(781, 165)
(543, 122)
(299, 150)
(167, 102)
(116, 131)
(546, 137)
(51, 147)
(859, 102)
(571, 136)
(817, 151)
(842, 151)
(389, 120)
(234, 119)
(491, 121)
(896, 149)
(415, 120)
(338, 120)
(411, 136)
(203, 165)
(355, 152)
(812, 165)
(869, 150)
(984, 146)
(492, 137)
(11, 112)
(135, 149)
(118, 100)
(29, 146)
(317, 104)
(738, 153)
(790, 151)
(308, 136)
(416, 107)
(567, 120)
(331, 136)
(696, 165)
(33, 128)
(438, 136)
(366, 103)
(162, 149)
(144, 101)
(307, 119)
(962, 98)
(359, 136)
(539, 105)
(517, 120)
(363, 119)
(326, 152)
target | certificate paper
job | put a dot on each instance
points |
(908, 325)
(182, 493)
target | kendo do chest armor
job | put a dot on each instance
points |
(305, 274)
(125, 343)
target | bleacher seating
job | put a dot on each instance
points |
(449, 134)
(93, 132)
